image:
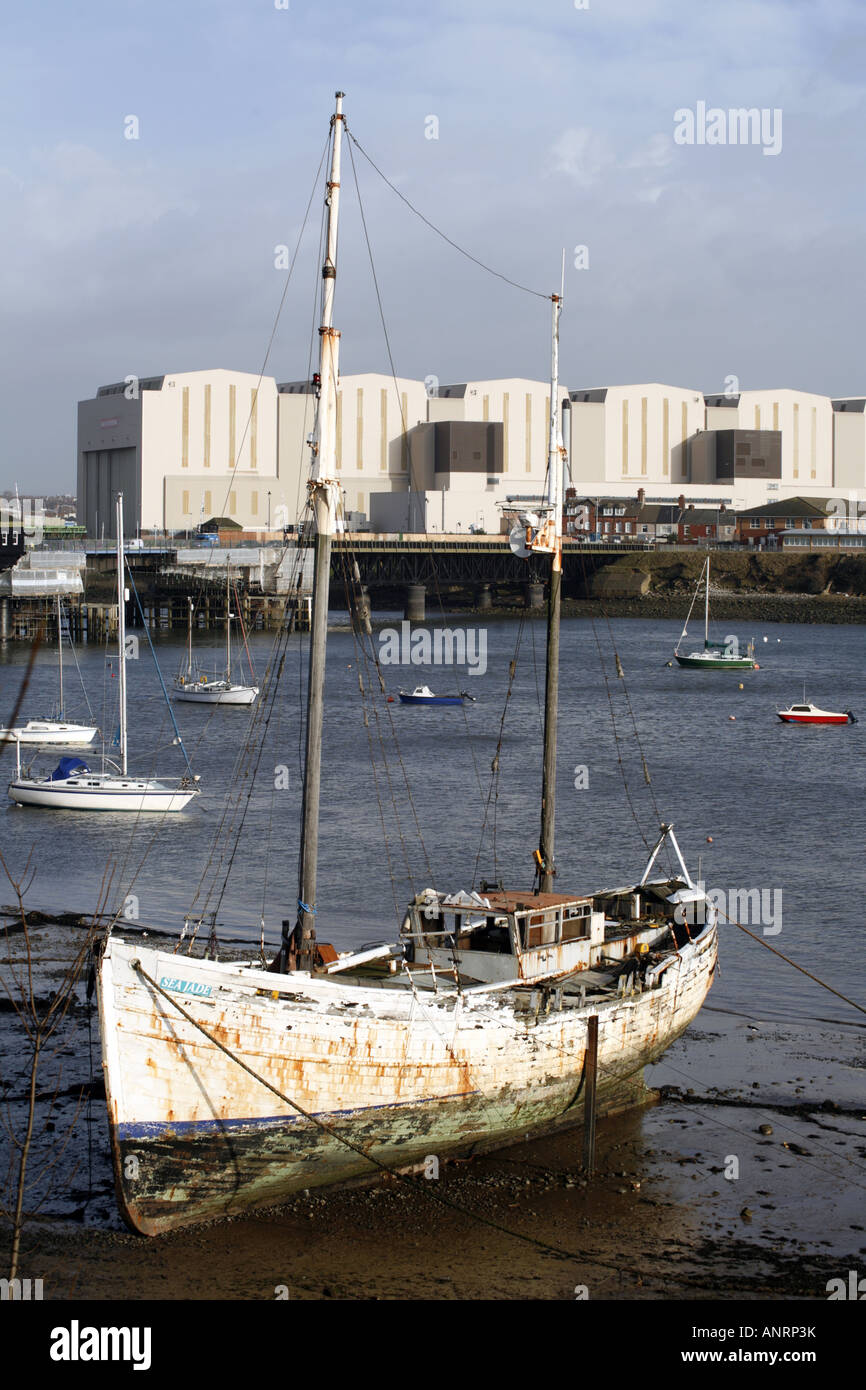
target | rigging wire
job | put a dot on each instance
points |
(409, 459)
(178, 738)
(64, 625)
(490, 271)
(204, 577)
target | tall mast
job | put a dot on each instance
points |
(60, 652)
(707, 608)
(553, 542)
(121, 632)
(324, 496)
(228, 628)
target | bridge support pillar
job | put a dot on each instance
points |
(4, 619)
(484, 598)
(534, 595)
(416, 595)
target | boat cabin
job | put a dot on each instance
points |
(501, 936)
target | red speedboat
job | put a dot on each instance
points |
(811, 714)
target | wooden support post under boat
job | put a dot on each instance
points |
(589, 1092)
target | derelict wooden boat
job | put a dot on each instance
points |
(231, 1086)
(387, 1056)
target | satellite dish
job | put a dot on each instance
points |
(517, 542)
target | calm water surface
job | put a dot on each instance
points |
(784, 806)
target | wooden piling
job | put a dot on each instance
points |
(589, 1104)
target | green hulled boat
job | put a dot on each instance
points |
(714, 656)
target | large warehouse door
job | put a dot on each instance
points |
(107, 472)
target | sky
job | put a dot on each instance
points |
(519, 129)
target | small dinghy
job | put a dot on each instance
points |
(423, 695)
(811, 714)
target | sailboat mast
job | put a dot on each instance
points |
(228, 628)
(324, 496)
(707, 608)
(121, 632)
(546, 862)
(60, 652)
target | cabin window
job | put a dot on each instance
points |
(549, 928)
(539, 929)
(576, 922)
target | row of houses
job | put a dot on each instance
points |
(635, 519)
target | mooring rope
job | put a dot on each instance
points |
(788, 961)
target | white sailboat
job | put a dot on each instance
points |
(73, 786)
(234, 1086)
(713, 656)
(53, 730)
(217, 690)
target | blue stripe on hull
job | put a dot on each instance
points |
(157, 1129)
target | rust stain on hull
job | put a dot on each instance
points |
(195, 1137)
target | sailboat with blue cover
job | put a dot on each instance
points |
(73, 785)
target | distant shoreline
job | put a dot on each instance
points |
(744, 608)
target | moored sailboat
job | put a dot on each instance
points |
(232, 1086)
(714, 656)
(73, 785)
(55, 729)
(195, 687)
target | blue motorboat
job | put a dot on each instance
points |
(423, 695)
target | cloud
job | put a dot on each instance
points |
(582, 155)
(655, 154)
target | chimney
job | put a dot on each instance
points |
(691, 506)
(722, 507)
(641, 497)
(681, 502)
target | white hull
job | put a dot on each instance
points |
(94, 792)
(216, 694)
(401, 1075)
(45, 732)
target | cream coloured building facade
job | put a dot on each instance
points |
(373, 416)
(628, 436)
(849, 442)
(184, 447)
(521, 405)
(649, 435)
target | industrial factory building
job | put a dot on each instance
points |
(420, 456)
